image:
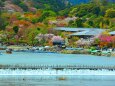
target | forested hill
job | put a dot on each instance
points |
(32, 5)
(22, 20)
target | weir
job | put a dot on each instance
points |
(22, 63)
(57, 67)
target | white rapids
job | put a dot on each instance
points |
(33, 59)
(55, 72)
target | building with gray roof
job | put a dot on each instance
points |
(81, 32)
(112, 33)
(68, 29)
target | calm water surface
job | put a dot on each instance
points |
(55, 81)
(55, 59)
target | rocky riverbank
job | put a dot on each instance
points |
(86, 51)
(113, 54)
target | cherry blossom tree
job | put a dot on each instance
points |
(85, 42)
(44, 38)
(57, 39)
(106, 40)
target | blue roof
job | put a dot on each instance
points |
(112, 33)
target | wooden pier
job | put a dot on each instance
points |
(57, 67)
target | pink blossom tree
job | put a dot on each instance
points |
(45, 37)
(57, 39)
(106, 40)
(85, 42)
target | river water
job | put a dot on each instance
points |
(25, 58)
(56, 81)
(52, 77)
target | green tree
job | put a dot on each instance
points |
(1, 4)
(96, 10)
(3, 23)
(110, 13)
(23, 6)
(31, 37)
(79, 22)
(16, 28)
(46, 14)
(71, 23)
(17, 2)
(90, 22)
(7, 36)
(104, 2)
(64, 12)
(81, 13)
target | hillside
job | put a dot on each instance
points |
(95, 14)
(33, 5)
(25, 19)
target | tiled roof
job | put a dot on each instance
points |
(75, 29)
(90, 32)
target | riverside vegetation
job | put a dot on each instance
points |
(26, 22)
